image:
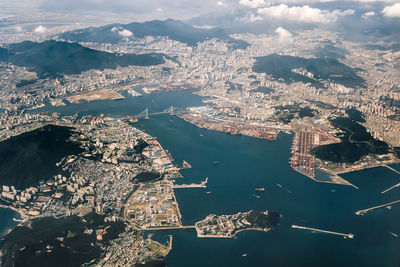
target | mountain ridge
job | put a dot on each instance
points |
(174, 29)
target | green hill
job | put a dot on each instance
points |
(173, 29)
(280, 68)
(32, 156)
(52, 58)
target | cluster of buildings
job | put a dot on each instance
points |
(225, 226)
(241, 101)
(209, 118)
(154, 205)
(214, 66)
(132, 248)
(55, 197)
(101, 179)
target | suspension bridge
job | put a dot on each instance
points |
(146, 114)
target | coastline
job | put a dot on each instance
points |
(13, 220)
(20, 213)
(230, 127)
(338, 180)
(360, 168)
(233, 235)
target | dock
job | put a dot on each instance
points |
(170, 244)
(185, 165)
(203, 184)
(168, 227)
(390, 188)
(396, 185)
(390, 168)
(362, 212)
(322, 231)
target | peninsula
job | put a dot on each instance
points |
(73, 203)
(227, 226)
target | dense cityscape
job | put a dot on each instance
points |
(108, 190)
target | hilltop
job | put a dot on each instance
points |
(173, 29)
(54, 58)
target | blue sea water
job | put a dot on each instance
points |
(6, 220)
(247, 163)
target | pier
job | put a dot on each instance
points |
(362, 212)
(390, 168)
(322, 231)
(396, 185)
(167, 228)
(185, 165)
(390, 188)
(203, 184)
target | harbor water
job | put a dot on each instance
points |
(246, 163)
(6, 220)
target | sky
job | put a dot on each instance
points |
(303, 11)
(356, 16)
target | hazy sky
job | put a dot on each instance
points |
(302, 11)
(375, 16)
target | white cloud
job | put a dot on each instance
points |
(252, 3)
(284, 36)
(125, 33)
(40, 29)
(305, 14)
(347, 12)
(369, 14)
(208, 27)
(283, 33)
(19, 29)
(374, 1)
(294, 2)
(392, 11)
(251, 18)
(220, 3)
(122, 32)
(302, 14)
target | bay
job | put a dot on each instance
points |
(6, 220)
(247, 163)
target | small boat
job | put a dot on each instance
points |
(261, 189)
(244, 255)
(201, 135)
(393, 234)
(215, 162)
(279, 185)
(257, 196)
(209, 192)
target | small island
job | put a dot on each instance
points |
(227, 226)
